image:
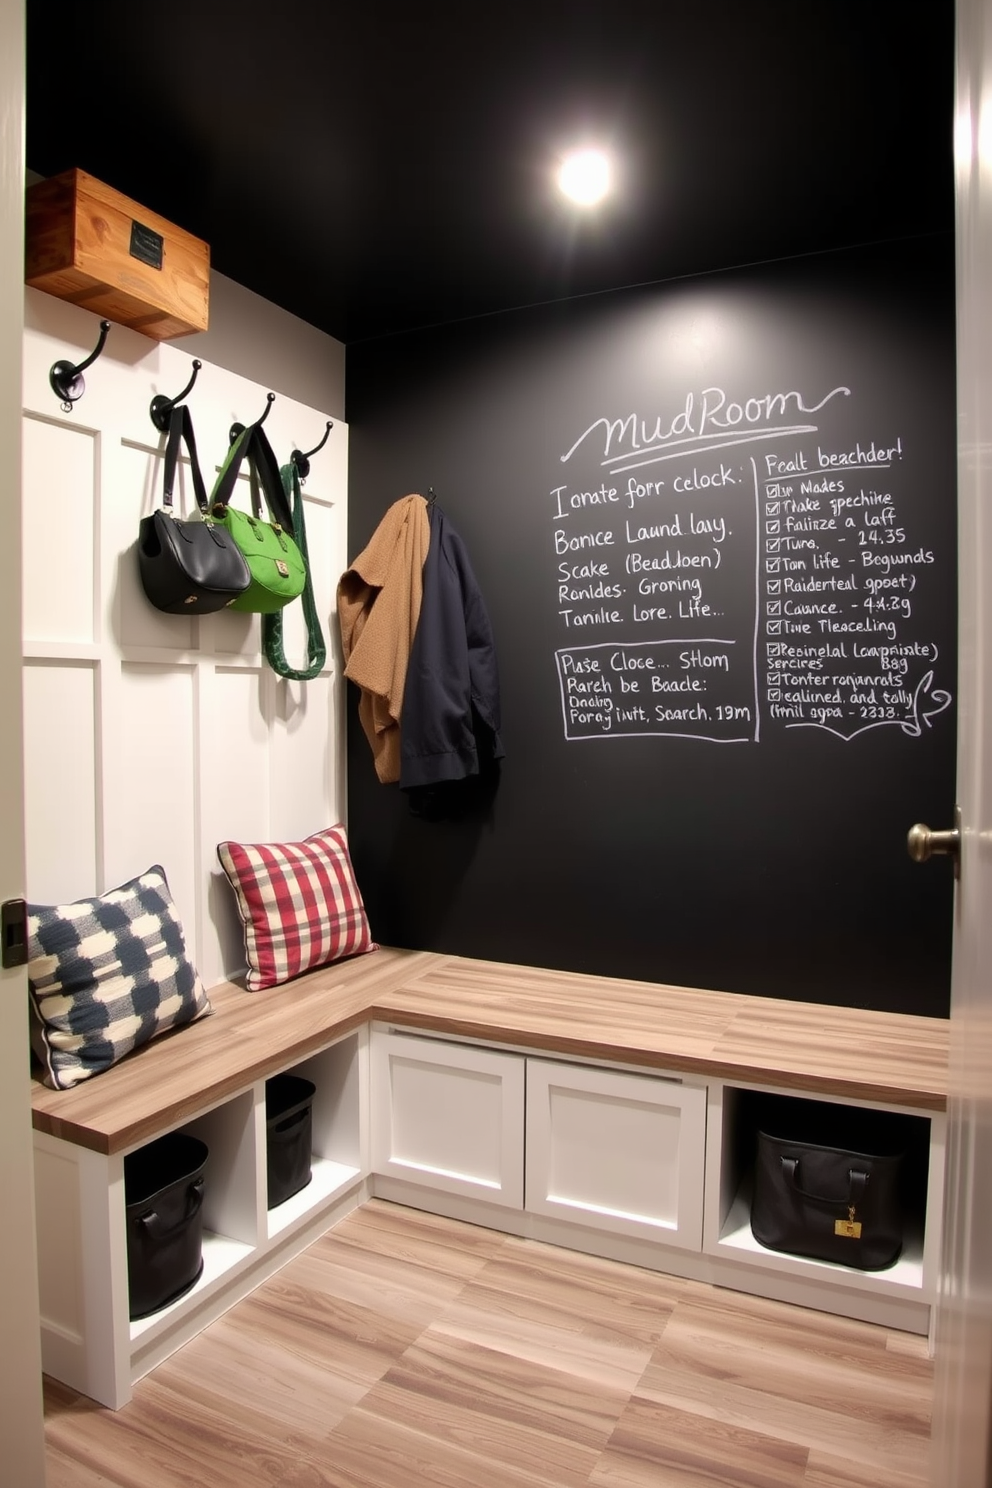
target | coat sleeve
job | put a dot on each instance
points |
(451, 713)
(378, 602)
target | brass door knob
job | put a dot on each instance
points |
(923, 844)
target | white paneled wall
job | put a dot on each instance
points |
(60, 713)
(150, 737)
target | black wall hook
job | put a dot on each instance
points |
(161, 406)
(237, 429)
(302, 461)
(67, 380)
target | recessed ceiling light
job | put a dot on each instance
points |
(584, 176)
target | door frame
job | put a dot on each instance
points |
(21, 1406)
(962, 1420)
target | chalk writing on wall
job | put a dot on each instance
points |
(746, 563)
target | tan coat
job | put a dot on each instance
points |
(378, 608)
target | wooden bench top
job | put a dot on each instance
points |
(892, 1058)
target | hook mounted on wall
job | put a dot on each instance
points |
(161, 406)
(67, 379)
(237, 429)
(302, 461)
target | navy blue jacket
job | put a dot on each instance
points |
(451, 719)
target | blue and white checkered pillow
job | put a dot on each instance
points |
(106, 975)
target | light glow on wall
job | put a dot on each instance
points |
(585, 176)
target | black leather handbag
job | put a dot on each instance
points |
(829, 1203)
(188, 567)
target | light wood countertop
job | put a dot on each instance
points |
(896, 1059)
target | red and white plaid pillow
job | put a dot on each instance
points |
(299, 903)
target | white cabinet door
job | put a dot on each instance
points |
(448, 1117)
(616, 1151)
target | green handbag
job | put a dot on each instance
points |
(277, 567)
(272, 642)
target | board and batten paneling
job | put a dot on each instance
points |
(60, 703)
(150, 737)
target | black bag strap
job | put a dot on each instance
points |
(180, 433)
(252, 444)
(857, 1184)
(272, 624)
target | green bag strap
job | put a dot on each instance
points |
(272, 624)
(251, 443)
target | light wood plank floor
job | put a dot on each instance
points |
(404, 1349)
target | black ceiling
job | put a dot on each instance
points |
(374, 166)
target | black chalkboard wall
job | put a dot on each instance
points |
(714, 525)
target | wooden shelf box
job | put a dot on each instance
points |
(89, 244)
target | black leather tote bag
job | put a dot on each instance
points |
(831, 1203)
(188, 567)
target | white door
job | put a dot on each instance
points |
(961, 1448)
(21, 1421)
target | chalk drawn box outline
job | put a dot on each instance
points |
(659, 733)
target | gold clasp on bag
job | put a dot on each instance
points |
(282, 568)
(850, 1227)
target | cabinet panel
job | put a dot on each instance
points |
(449, 1116)
(617, 1151)
(60, 1272)
(82, 1269)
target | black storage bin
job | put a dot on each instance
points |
(828, 1184)
(288, 1135)
(163, 1197)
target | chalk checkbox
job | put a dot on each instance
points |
(774, 648)
(774, 607)
(773, 508)
(772, 544)
(774, 696)
(774, 586)
(774, 627)
(772, 565)
(773, 527)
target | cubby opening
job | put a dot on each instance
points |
(230, 1215)
(849, 1126)
(336, 1160)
